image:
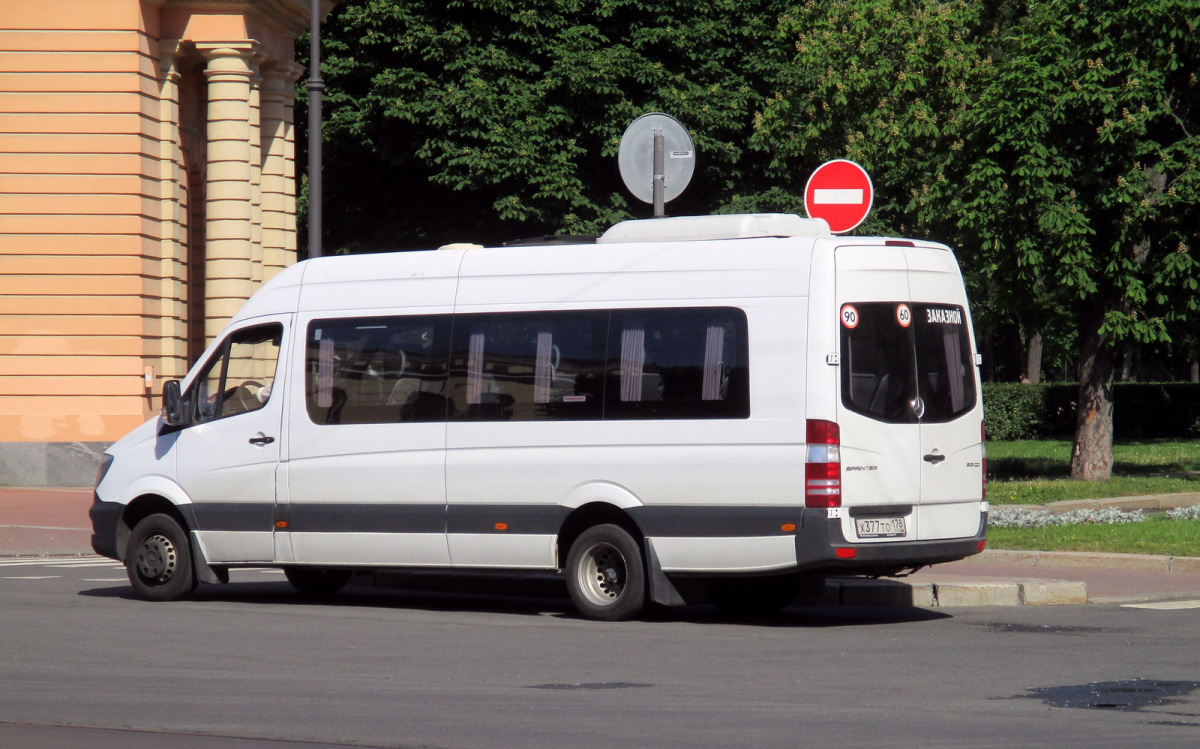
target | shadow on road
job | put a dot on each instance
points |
(526, 595)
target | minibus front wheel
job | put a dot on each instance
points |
(605, 574)
(159, 559)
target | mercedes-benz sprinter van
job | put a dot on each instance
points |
(735, 406)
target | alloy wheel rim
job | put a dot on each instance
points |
(602, 575)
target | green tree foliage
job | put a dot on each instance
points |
(483, 120)
(1053, 141)
(885, 83)
(1082, 182)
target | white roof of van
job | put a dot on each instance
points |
(733, 226)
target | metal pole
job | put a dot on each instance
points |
(660, 177)
(315, 86)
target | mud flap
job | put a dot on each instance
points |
(662, 590)
(205, 572)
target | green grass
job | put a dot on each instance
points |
(1028, 472)
(1042, 491)
(1158, 535)
(1052, 458)
(1037, 471)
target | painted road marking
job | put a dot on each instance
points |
(34, 577)
(45, 527)
(1164, 605)
(91, 561)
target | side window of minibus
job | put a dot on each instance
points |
(377, 370)
(240, 375)
(678, 364)
(528, 366)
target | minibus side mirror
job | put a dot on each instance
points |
(173, 411)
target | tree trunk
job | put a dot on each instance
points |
(1033, 358)
(1127, 355)
(1091, 456)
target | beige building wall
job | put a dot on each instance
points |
(146, 190)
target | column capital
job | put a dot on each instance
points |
(169, 52)
(235, 58)
(278, 81)
(286, 72)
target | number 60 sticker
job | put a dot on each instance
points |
(849, 316)
(903, 315)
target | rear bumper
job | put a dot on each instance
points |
(820, 546)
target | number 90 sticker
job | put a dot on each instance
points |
(903, 315)
(849, 316)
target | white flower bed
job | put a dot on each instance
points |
(1185, 513)
(1033, 517)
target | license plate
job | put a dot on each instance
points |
(880, 527)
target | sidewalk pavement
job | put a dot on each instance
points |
(45, 522)
(54, 522)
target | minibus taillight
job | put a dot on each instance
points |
(822, 464)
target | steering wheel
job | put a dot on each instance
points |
(242, 398)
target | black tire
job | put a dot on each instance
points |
(753, 596)
(158, 559)
(605, 574)
(317, 581)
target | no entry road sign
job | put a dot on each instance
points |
(840, 192)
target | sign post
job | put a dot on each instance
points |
(840, 192)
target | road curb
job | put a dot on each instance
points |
(1144, 562)
(1142, 502)
(954, 592)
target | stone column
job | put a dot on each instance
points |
(278, 171)
(230, 187)
(256, 174)
(170, 297)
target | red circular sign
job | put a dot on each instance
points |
(840, 192)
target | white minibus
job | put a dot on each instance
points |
(724, 408)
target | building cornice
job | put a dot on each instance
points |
(292, 13)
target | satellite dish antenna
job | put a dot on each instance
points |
(656, 159)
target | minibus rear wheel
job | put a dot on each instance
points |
(159, 559)
(605, 575)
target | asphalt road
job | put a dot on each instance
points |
(252, 665)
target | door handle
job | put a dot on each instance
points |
(261, 439)
(934, 457)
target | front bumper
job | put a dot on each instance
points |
(106, 519)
